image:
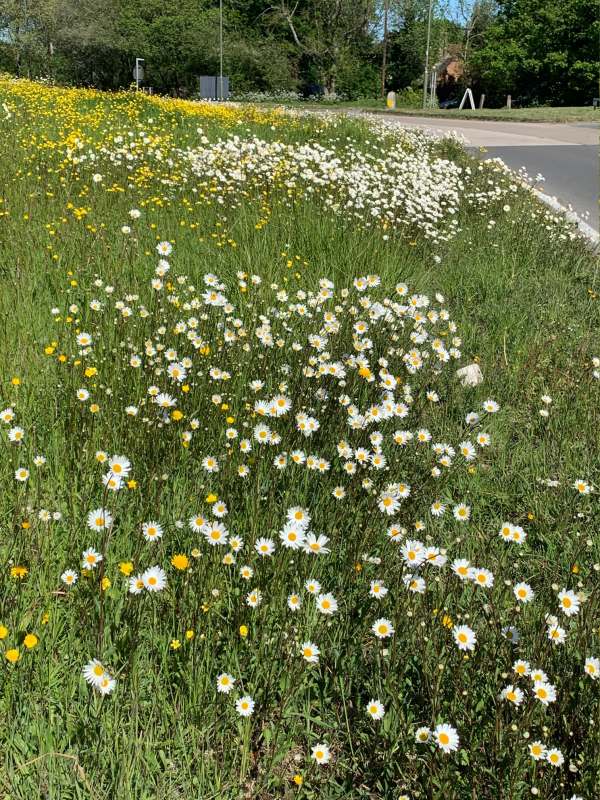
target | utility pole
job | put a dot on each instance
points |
(386, 7)
(426, 71)
(220, 49)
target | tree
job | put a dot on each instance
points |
(543, 51)
(325, 32)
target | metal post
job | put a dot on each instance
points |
(426, 71)
(386, 5)
(220, 49)
(138, 61)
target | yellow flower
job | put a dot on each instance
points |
(180, 561)
(298, 780)
(25, 524)
(126, 567)
(105, 583)
(177, 415)
(243, 631)
(3, 632)
(62, 359)
(94, 408)
(358, 567)
(364, 372)
(16, 381)
(575, 569)
(45, 618)
(30, 641)
(185, 387)
(132, 484)
(175, 644)
(189, 634)
(224, 406)
(230, 420)
(49, 350)
(19, 572)
(12, 655)
(211, 498)
(90, 372)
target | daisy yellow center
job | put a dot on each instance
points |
(382, 629)
(462, 637)
(319, 754)
(444, 738)
(567, 602)
(511, 696)
(542, 693)
(98, 670)
(99, 521)
(152, 581)
(326, 604)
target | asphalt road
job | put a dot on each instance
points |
(566, 155)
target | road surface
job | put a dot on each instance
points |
(565, 154)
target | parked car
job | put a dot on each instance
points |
(449, 103)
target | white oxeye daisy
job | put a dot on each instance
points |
(592, 667)
(464, 637)
(294, 602)
(378, 590)
(225, 682)
(568, 602)
(312, 586)
(244, 706)
(90, 558)
(136, 584)
(93, 672)
(446, 737)
(555, 757)
(310, 652)
(422, 735)
(461, 512)
(512, 694)
(326, 604)
(69, 577)
(155, 579)
(264, 547)
(152, 531)
(523, 592)
(375, 709)
(99, 519)
(382, 628)
(321, 753)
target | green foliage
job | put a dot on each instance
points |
(541, 51)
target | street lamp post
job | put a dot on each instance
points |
(426, 70)
(220, 49)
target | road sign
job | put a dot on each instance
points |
(138, 73)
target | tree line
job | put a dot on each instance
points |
(539, 51)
